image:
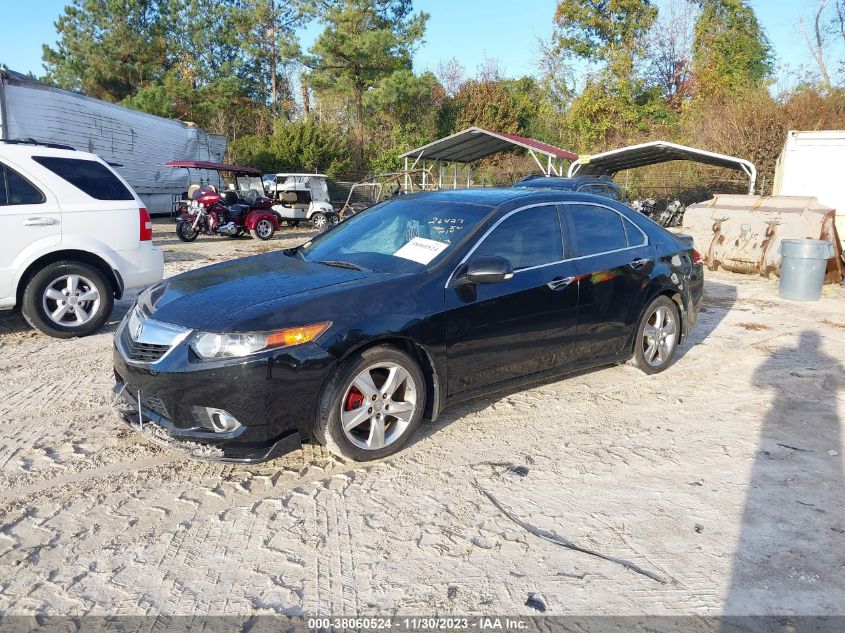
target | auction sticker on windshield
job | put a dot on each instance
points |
(421, 250)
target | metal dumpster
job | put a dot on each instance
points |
(743, 233)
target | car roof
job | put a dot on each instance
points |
(486, 196)
(559, 182)
(509, 196)
(38, 149)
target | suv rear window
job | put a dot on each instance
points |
(92, 177)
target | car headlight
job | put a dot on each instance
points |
(209, 345)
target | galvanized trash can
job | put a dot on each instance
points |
(802, 267)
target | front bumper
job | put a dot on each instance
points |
(273, 397)
(130, 407)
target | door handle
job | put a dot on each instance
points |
(39, 221)
(639, 263)
(559, 283)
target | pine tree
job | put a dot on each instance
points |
(364, 42)
(731, 52)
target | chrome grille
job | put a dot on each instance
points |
(142, 352)
(144, 340)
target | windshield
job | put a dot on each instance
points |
(400, 235)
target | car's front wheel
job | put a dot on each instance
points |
(68, 299)
(372, 404)
(657, 337)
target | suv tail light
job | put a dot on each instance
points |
(146, 225)
(696, 257)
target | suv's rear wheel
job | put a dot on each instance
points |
(68, 299)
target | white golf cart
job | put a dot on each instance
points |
(302, 198)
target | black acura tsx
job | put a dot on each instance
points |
(355, 337)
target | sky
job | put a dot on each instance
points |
(469, 30)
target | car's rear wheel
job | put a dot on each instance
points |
(658, 334)
(68, 299)
(372, 404)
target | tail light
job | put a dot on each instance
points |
(146, 233)
(696, 257)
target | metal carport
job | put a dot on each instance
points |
(609, 163)
(474, 143)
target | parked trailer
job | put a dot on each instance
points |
(811, 165)
(136, 143)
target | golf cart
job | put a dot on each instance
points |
(378, 187)
(302, 198)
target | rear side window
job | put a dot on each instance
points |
(90, 176)
(613, 193)
(597, 229)
(635, 236)
(527, 238)
(15, 189)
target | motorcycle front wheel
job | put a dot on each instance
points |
(185, 231)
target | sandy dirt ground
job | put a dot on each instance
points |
(715, 487)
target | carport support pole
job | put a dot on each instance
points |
(425, 173)
(454, 175)
(406, 174)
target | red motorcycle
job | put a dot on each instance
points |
(214, 213)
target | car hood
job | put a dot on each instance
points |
(204, 298)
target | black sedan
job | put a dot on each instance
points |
(417, 303)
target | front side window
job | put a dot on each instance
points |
(597, 229)
(527, 238)
(15, 189)
(89, 176)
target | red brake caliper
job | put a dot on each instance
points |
(353, 400)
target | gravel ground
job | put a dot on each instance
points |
(716, 487)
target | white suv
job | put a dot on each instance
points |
(73, 237)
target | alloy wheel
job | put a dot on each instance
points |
(264, 228)
(378, 406)
(660, 336)
(71, 300)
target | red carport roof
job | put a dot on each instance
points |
(475, 143)
(204, 164)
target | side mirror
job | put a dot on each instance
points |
(485, 270)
